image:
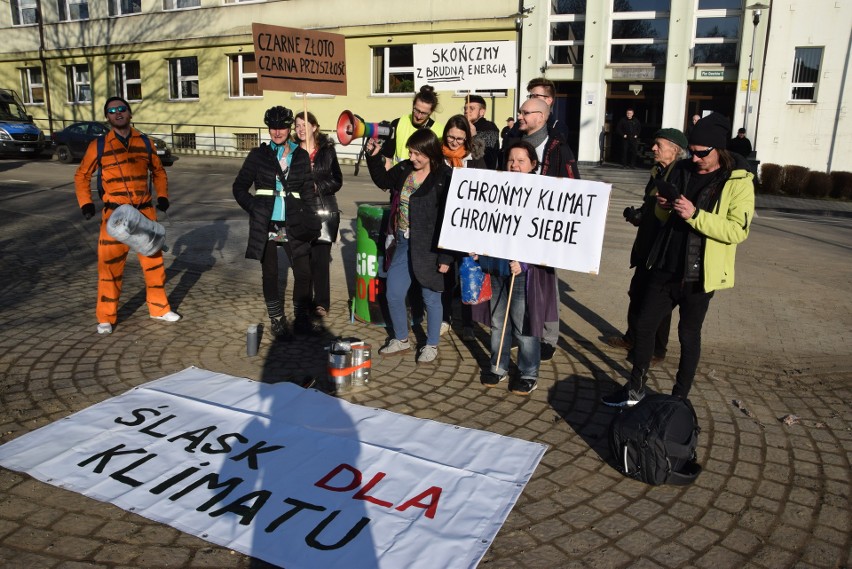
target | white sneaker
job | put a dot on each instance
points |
(428, 354)
(104, 328)
(168, 317)
(445, 327)
(395, 347)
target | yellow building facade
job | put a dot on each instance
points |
(187, 66)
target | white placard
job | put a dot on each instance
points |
(467, 65)
(555, 222)
(291, 476)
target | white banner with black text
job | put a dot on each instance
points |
(291, 476)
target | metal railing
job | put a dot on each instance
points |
(209, 139)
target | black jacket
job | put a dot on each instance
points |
(558, 160)
(260, 169)
(649, 225)
(328, 179)
(425, 212)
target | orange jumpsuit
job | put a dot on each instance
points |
(125, 180)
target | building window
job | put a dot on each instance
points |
(243, 76)
(567, 23)
(124, 7)
(24, 12)
(72, 10)
(806, 64)
(180, 4)
(183, 78)
(32, 86)
(640, 32)
(639, 40)
(641, 6)
(717, 32)
(393, 69)
(79, 87)
(128, 80)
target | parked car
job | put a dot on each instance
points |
(71, 142)
(18, 135)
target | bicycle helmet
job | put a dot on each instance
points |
(278, 117)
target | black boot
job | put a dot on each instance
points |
(280, 329)
(630, 394)
(303, 323)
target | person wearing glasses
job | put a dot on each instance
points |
(125, 164)
(418, 188)
(543, 90)
(461, 150)
(556, 160)
(425, 103)
(483, 129)
(281, 175)
(706, 208)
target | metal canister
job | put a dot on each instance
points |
(361, 363)
(339, 360)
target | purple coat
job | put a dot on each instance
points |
(541, 305)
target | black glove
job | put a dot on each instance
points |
(162, 204)
(88, 210)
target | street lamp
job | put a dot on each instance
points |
(754, 20)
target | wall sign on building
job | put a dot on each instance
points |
(466, 66)
(308, 61)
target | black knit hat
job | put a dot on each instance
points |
(714, 130)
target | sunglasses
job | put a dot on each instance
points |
(702, 153)
(113, 110)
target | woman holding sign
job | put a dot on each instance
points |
(418, 188)
(525, 291)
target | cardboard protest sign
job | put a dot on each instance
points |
(308, 61)
(467, 65)
(291, 476)
(556, 222)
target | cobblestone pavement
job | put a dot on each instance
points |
(771, 494)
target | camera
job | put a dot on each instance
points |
(633, 215)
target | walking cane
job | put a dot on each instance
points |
(505, 318)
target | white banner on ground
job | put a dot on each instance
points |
(291, 476)
(556, 222)
(466, 65)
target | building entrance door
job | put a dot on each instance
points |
(704, 97)
(646, 100)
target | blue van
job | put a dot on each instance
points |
(18, 135)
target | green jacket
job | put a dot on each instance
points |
(723, 228)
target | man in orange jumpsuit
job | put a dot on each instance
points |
(127, 158)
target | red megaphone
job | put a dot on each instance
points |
(350, 126)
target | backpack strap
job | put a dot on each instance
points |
(100, 184)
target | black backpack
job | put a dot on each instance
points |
(654, 441)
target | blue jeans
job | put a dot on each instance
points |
(398, 282)
(529, 347)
